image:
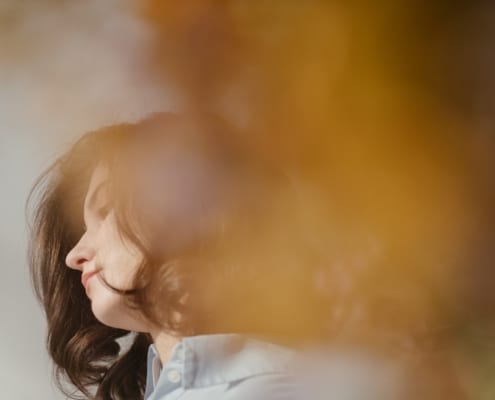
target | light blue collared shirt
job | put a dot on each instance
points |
(220, 367)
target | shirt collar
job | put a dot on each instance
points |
(207, 360)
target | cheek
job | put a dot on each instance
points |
(119, 268)
(119, 259)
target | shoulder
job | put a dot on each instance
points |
(261, 370)
(244, 368)
(270, 386)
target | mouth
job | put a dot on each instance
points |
(87, 276)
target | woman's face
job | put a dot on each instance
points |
(102, 252)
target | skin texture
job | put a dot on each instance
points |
(103, 249)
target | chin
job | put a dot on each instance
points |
(110, 310)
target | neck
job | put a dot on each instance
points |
(164, 344)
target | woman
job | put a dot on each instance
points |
(172, 233)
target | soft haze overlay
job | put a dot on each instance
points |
(386, 110)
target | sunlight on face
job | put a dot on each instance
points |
(102, 254)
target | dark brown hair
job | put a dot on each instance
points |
(236, 273)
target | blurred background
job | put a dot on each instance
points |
(384, 112)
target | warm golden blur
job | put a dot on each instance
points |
(381, 115)
(373, 110)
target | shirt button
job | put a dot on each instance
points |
(173, 376)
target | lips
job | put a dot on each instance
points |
(85, 277)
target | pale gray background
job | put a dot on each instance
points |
(64, 69)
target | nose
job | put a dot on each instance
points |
(80, 254)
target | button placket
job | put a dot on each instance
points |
(174, 376)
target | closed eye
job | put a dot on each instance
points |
(104, 210)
